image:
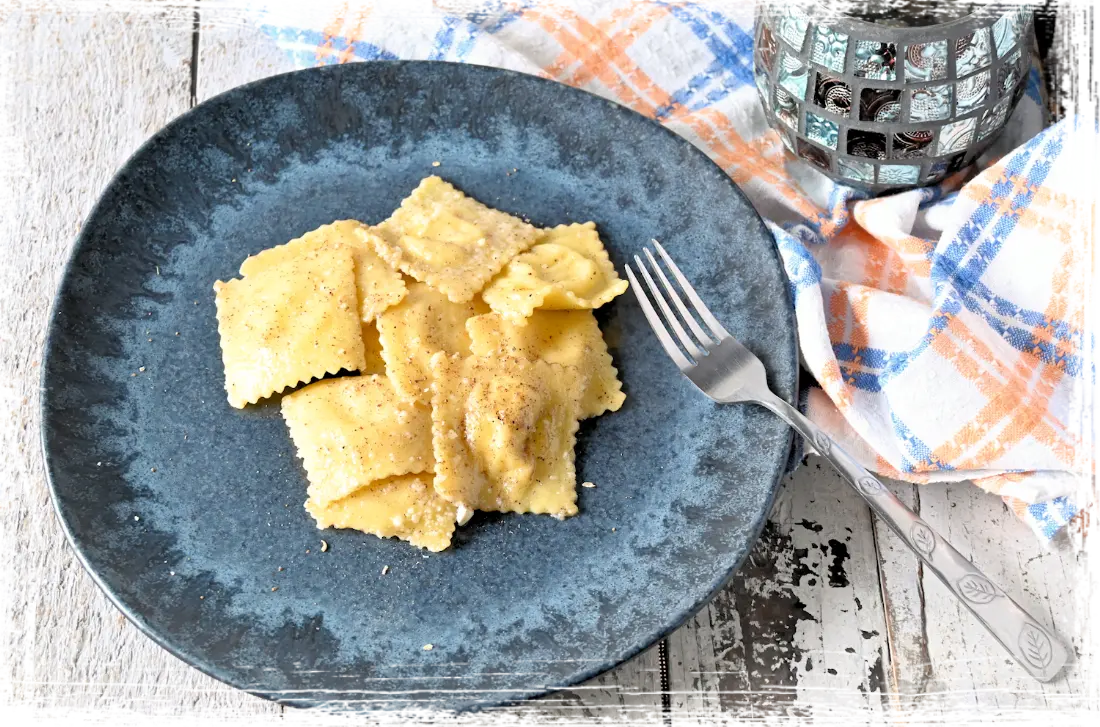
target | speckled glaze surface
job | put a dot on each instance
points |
(188, 513)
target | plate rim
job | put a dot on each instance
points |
(53, 334)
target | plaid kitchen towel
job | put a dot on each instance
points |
(944, 326)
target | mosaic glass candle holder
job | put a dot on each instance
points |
(883, 102)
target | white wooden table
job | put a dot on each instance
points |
(831, 616)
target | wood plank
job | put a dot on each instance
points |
(604, 700)
(294, 717)
(232, 52)
(627, 696)
(962, 667)
(903, 604)
(800, 629)
(299, 718)
(81, 92)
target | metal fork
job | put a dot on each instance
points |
(727, 372)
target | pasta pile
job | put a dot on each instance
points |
(476, 350)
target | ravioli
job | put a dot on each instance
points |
(476, 350)
(569, 338)
(424, 323)
(405, 507)
(292, 322)
(503, 431)
(378, 286)
(372, 351)
(353, 431)
(453, 243)
(566, 269)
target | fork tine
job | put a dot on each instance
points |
(670, 317)
(700, 334)
(700, 306)
(655, 323)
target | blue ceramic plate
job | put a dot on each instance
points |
(188, 513)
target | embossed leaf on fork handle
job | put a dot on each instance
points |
(1037, 651)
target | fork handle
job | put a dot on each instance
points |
(1038, 651)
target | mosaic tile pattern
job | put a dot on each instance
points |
(955, 136)
(1019, 93)
(1009, 73)
(792, 24)
(912, 144)
(821, 130)
(875, 60)
(793, 76)
(972, 92)
(899, 174)
(766, 47)
(880, 104)
(926, 62)
(956, 163)
(833, 94)
(869, 144)
(1006, 31)
(972, 52)
(925, 115)
(855, 170)
(936, 171)
(786, 109)
(994, 118)
(931, 103)
(818, 157)
(829, 48)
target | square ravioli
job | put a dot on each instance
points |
(445, 239)
(353, 431)
(503, 431)
(425, 323)
(569, 338)
(290, 323)
(404, 507)
(378, 286)
(566, 269)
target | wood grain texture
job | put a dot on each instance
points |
(299, 718)
(900, 574)
(232, 52)
(294, 717)
(82, 92)
(950, 671)
(627, 696)
(800, 630)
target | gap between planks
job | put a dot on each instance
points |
(195, 47)
(800, 629)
